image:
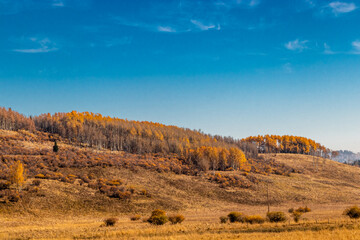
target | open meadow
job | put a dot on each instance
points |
(324, 222)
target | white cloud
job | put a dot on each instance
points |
(166, 29)
(191, 16)
(356, 46)
(342, 7)
(58, 3)
(296, 45)
(205, 27)
(42, 45)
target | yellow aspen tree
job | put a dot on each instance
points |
(17, 174)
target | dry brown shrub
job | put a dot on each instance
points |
(110, 221)
(236, 217)
(254, 219)
(175, 219)
(158, 217)
(224, 219)
(135, 217)
(276, 217)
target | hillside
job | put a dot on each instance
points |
(124, 183)
(67, 194)
(104, 165)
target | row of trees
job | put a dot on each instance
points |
(11, 120)
(213, 158)
(103, 132)
(97, 131)
(288, 144)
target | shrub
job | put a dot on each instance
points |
(276, 216)
(224, 219)
(158, 217)
(303, 209)
(110, 221)
(291, 210)
(4, 185)
(10, 195)
(254, 219)
(36, 182)
(296, 215)
(135, 217)
(353, 212)
(175, 219)
(236, 217)
(307, 209)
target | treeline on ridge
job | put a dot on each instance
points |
(96, 131)
(141, 137)
(288, 144)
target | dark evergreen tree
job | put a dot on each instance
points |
(55, 147)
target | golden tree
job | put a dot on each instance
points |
(17, 174)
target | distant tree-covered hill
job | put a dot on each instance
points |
(347, 156)
(204, 151)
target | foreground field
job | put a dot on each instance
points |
(93, 229)
(324, 222)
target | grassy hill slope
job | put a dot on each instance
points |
(315, 181)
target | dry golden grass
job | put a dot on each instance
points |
(70, 211)
(93, 228)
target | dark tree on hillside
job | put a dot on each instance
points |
(55, 147)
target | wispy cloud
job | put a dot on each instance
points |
(58, 3)
(296, 45)
(327, 49)
(166, 29)
(41, 45)
(342, 7)
(356, 47)
(191, 16)
(9, 7)
(205, 27)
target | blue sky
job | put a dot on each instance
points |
(229, 67)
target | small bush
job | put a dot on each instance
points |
(175, 219)
(296, 215)
(291, 210)
(10, 195)
(36, 182)
(135, 217)
(254, 219)
(158, 217)
(236, 217)
(307, 209)
(110, 221)
(353, 212)
(276, 217)
(224, 219)
(303, 209)
(4, 185)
